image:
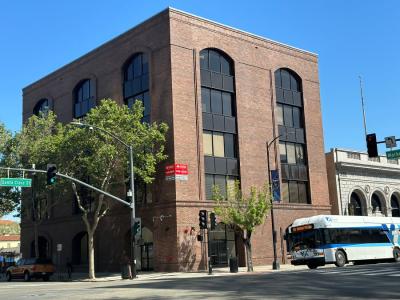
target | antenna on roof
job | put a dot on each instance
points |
(363, 108)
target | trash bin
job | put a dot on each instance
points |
(233, 265)
(126, 272)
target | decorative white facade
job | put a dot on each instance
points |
(359, 185)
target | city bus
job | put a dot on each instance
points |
(330, 239)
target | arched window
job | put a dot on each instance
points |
(292, 143)
(376, 204)
(219, 121)
(394, 203)
(83, 99)
(136, 83)
(355, 208)
(42, 107)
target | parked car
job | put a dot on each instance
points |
(31, 268)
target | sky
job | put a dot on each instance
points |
(352, 38)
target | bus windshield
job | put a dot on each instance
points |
(304, 240)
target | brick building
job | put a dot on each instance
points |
(224, 93)
(363, 186)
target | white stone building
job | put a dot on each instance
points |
(359, 185)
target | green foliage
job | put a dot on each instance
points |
(244, 211)
(9, 197)
(12, 228)
(92, 152)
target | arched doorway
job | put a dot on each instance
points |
(355, 205)
(394, 203)
(44, 247)
(80, 249)
(377, 205)
(222, 245)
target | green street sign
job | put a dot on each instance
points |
(393, 154)
(16, 182)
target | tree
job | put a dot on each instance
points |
(9, 197)
(243, 211)
(95, 156)
(38, 144)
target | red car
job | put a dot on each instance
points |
(31, 268)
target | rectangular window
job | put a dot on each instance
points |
(209, 186)
(220, 181)
(288, 116)
(227, 104)
(225, 67)
(216, 80)
(218, 144)
(293, 192)
(296, 118)
(214, 62)
(300, 154)
(205, 100)
(282, 152)
(207, 143)
(230, 187)
(146, 103)
(278, 81)
(86, 90)
(279, 114)
(229, 145)
(291, 153)
(216, 102)
(302, 192)
(204, 60)
(285, 79)
(145, 64)
(285, 191)
(137, 66)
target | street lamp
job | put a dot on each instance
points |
(275, 264)
(131, 193)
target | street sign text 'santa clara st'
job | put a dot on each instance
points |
(393, 154)
(16, 182)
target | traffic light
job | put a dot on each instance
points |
(213, 221)
(372, 145)
(137, 227)
(203, 219)
(51, 174)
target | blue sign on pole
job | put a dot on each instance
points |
(276, 189)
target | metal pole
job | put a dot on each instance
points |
(363, 108)
(275, 264)
(133, 215)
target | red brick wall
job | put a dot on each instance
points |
(173, 41)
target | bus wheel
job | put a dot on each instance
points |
(396, 254)
(312, 265)
(340, 258)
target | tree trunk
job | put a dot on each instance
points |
(35, 227)
(249, 254)
(91, 255)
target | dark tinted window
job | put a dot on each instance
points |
(136, 83)
(84, 100)
(219, 121)
(42, 107)
(354, 236)
(292, 148)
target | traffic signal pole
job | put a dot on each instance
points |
(72, 179)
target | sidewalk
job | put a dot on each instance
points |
(154, 275)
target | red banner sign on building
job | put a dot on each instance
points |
(176, 172)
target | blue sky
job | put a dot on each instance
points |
(351, 37)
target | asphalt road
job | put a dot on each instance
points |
(376, 281)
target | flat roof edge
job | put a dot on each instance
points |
(242, 31)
